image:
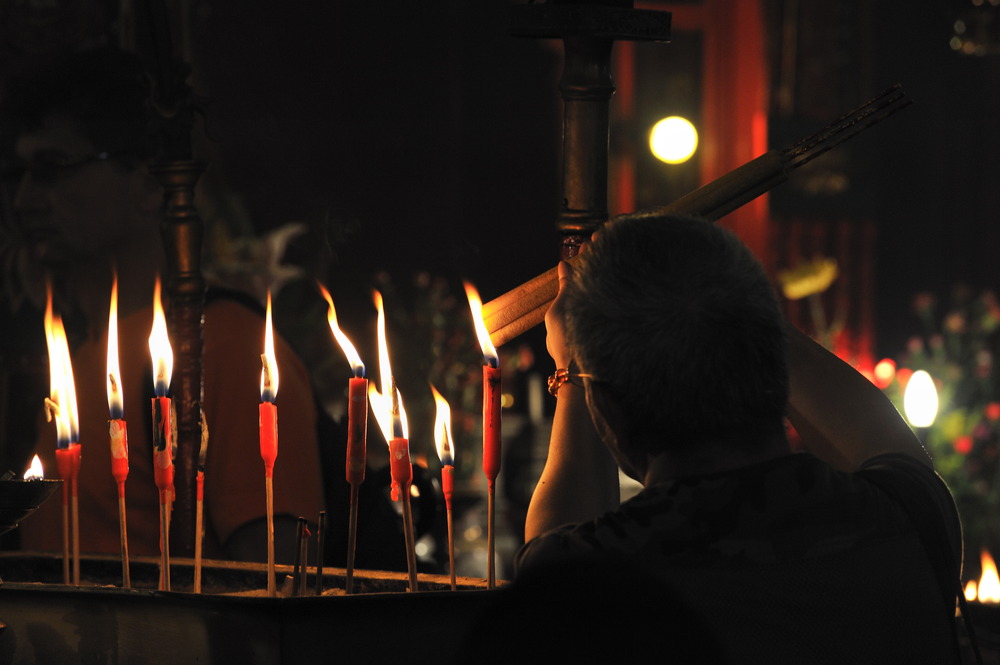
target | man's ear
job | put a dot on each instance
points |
(615, 429)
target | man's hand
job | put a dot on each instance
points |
(555, 324)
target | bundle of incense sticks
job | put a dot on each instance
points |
(524, 307)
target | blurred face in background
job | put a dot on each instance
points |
(78, 203)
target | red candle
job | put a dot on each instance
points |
(199, 530)
(400, 468)
(491, 424)
(268, 436)
(357, 429)
(445, 447)
(268, 422)
(61, 407)
(491, 421)
(117, 431)
(268, 394)
(163, 436)
(491, 389)
(391, 417)
(357, 405)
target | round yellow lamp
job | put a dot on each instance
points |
(920, 400)
(673, 140)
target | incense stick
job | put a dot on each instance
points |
(451, 549)
(320, 552)
(524, 306)
(164, 543)
(65, 534)
(272, 585)
(352, 532)
(199, 529)
(411, 551)
(491, 580)
(75, 508)
(298, 569)
(123, 529)
(199, 526)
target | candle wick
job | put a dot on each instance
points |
(267, 371)
(113, 382)
(51, 409)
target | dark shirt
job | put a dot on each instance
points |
(789, 560)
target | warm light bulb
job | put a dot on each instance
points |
(920, 401)
(673, 140)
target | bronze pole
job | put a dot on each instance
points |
(588, 29)
(182, 241)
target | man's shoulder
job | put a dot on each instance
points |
(787, 508)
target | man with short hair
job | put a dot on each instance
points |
(675, 365)
(88, 206)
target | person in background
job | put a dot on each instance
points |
(87, 205)
(675, 366)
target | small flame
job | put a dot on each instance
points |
(269, 371)
(35, 471)
(442, 429)
(988, 589)
(387, 405)
(116, 405)
(476, 305)
(159, 347)
(353, 358)
(61, 404)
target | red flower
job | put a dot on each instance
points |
(963, 445)
(993, 411)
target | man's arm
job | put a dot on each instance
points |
(580, 478)
(841, 416)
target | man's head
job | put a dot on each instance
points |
(677, 322)
(79, 128)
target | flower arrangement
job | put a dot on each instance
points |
(957, 344)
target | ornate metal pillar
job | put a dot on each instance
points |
(588, 31)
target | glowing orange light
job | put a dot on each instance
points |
(387, 404)
(159, 347)
(442, 429)
(61, 405)
(269, 370)
(35, 471)
(476, 306)
(353, 359)
(885, 372)
(116, 405)
(988, 589)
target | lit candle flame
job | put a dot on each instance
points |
(61, 404)
(387, 405)
(159, 347)
(476, 305)
(989, 582)
(442, 429)
(35, 471)
(116, 405)
(269, 371)
(353, 358)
